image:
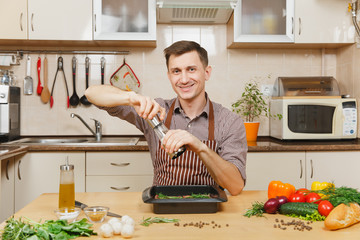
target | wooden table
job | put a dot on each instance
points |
(231, 213)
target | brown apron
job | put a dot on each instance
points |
(187, 169)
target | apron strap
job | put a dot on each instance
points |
(211, 135)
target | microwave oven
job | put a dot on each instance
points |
(314, 118)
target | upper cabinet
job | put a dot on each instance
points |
(124, 20)
(60, 20)
(264, 21)
(290, 21)
(323, 21)
(13, 19)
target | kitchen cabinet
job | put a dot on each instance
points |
(39, 172)
(264, 167)
(60, 20)
(296, 21)
(302, 168)
(13, 19)
(124, 20)
(342, 167)
(323, 21)
(7, 195)
(118, 171)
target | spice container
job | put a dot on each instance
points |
(160, 130)
(67, 186)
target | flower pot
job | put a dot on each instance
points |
(252, 129)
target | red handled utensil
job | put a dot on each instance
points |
(39, 87)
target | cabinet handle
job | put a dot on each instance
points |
(19, 175)
(299, 26)
(21, 26)
(292, 25)
(32, 25)
(301, 169)
(312, 169)
(120, 164)
(95, 21)
(7, 169)
(120, 188)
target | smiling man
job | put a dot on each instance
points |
(213, 135)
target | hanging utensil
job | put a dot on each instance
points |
(39, 87)
(60, 67)
(103, 61)
(74, 99)
(28, 81)
(45, 93)
(83, 99)
(125, 78)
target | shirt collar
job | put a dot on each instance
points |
(205, 112)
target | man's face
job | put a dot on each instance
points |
(187, 75)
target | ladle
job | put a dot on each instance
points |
(83, 99)
(74, 99)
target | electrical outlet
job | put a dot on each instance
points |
(266, 89)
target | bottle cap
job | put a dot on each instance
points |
(66, 167)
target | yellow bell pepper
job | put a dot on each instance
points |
(315, 186)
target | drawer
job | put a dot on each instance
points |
(118, 163)
(118, 183)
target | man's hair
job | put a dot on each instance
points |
(181, 47)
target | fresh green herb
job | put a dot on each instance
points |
(340, 195)
(309, 217)
(193, 195)
(57, 230)
(257, 209)
(146, 222)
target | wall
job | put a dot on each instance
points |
(231, 69)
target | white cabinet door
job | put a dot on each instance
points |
(7, 189)
(264, 21)
(39, 172)
(13, 19)
(60, 20)
(118, 183)
(264, 167)
(124, 20)
(323, 21)
(340, 166)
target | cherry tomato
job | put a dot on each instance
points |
(297, 197)
(303, 191)
(313, 198)
(325, 207)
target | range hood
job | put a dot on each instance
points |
(195, 11)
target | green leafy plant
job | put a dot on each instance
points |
(252, 103)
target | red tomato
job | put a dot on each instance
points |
(313, 198)
(302, 191)
(325, 207)
(297, 197)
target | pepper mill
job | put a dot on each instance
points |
(67, 186)
(160, 130)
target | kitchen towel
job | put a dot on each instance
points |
(7, 60)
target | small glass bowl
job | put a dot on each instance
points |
(69, 214)
(96, 214)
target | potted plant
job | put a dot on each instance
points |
(251, 106)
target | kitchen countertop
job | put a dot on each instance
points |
(240, 227)
(264, 144)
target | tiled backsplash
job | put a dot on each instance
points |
(231, 69)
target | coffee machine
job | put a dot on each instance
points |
(9, 113)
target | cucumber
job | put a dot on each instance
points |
(299, 208)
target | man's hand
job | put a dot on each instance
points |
(174, 139)
(146, 107)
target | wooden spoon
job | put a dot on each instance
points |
(45, 93)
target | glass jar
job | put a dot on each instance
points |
(67, 187)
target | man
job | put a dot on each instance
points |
(213, 135)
